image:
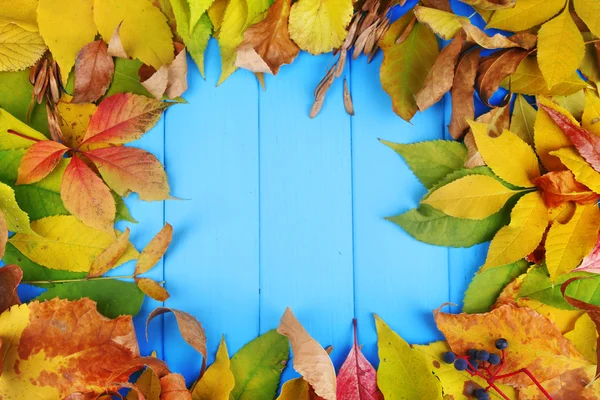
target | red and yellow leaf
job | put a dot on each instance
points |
(559, 187)
(39, 160)
(155, 250)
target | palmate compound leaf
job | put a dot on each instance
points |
(403, 373)
(19, 48)
(65, 243)
(40, 160)
(64, 44)
(405, 65)
(310, 359)
(218, 381)
(534, 341)
(525, 14)
(257, 367)
(44, 342)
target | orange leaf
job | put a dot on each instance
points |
(127, 169)
(10, 277)
(94, 70)
(60, 347)
(109, 257)
(123, 118)
(559, 187)
(39, 160)
(155, 250)
(172, 387)
(152, 289)
(87, 197)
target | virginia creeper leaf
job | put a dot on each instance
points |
(74, 120)
(94, 70)
(39, 161)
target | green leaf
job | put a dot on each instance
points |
(404, 372)
(15, 96)
(461, 173)
(431, 161)
(195, 39)
(126, 78)
(16, 219)
(538, 286)
(487, 286)
(113, 297)
(257, 367)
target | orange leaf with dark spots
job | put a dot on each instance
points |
(10, 277)
(94, 69)
(155, 250)
(128, 169)
(559, 187)
(87, 197)
(122, 118)
(109, 257)
(152, 289)
(39, 160)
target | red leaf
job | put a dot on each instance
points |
(558, 187)
(87, 197)
(127, 169)
(357, 379)
(94, 70)
(591, 263)
(586, 143)
(122, 118)
(10, 277)
(39, 160)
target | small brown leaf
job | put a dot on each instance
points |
(348, 99)
(497, 119)
(152, 289)
(173, 388)
(407, 30)
(474, 158)
(109, 257)
(493, 69)
(10, 277)
(463, 106)
(115, 46)
(177, 73)
(443, 5)
(498, 41)
(94, 69)
(155, 250)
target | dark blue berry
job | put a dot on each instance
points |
(460, 364)
(481, 394)
(494, 359)
(474, 364)
(472, 352)
(449, 357)
(501, 344)
(482, 355)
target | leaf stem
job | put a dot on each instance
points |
(99, 278)
(530, 375)
(22, 135)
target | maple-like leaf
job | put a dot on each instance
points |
(155, 250)
(10, 277)
(558, 187)
(43, 343)
(357, 379)
(94, 70)
(310, 359)
(534, 341)
(463, 107)
(39, 160)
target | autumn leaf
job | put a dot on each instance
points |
(74, 119)
(357, 379)
(22, 13)
(19, 48)
(230, 35)
(172, 387)
(583, 172)
(43, 342)
(558, 187)
(10, 277)
(571, 384)
(548, 136)
(445, 24)
(13, 217)
(10, 141)
(319, 26)
(64, 243)
(534, 341)
(498, 41)
(405, 65)
(463, 106)
(218, 381)
(177, 77)
(525, 14)
(590, 119)
(267, 44)
(126, 78)
(64, 44)
(148, 384)
(588, 11)
(497, 120)
(523, 118)
(403, 372)
(195, 36)
(310, 359)
(94, 70)
(109, 257)
(584, 337)
(494, 68)
(297, 389)
(490, 4)
(40, 160)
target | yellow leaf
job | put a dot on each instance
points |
(589, 66)
(563, 319)
(63, 242)
(231, 35)
(66, 27)
(218, 381)
(446, 25)
(567, 244)
(591, 113)
(560, 48)
(145, 32)
(472, 197)
(295, 389)
(528, 79)
(148, 384)
(574, 103)
(584, 336)
(589, 12)
(454, 382)
(570, 385)
(215, 14)
(14, 217)
(403, 373)
(507, 155)
(19, 49)
(525, 14)
(74, 120)
(9, 141)
(522, 120)
(548, 136)
(406, 65)
(528, 222)
(319, 26)
(583, 172)
(21, 12)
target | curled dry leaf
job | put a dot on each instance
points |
(348, 99)
(173, 388)
(463, 106)
(94, 69)
(190, 328)
(559, 187)
(115, 46)
(10, 277)
(177, 77)
(267, 44)
(152, 289)
(498, 41)
(494, 68)
(155, 250)
(310, 359)
(109, 257)
(443, 5)
(154, 81)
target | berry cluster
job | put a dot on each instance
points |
(487, 366)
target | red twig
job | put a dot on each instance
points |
(530, 375)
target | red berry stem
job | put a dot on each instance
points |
(530, 375)
(497, 389)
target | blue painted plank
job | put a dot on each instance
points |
(306, 206)
(211, 270)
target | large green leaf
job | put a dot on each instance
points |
(431, 161)
(15, 96)
(487, 286)
(257, 367)
(113, 297)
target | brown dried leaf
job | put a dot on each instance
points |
(177, 78)
(407, 31)
(443, 5)
(493, 69)
(155, 250)
(474, 158)
(348, 99)
(463, 106)
(173, 388)
(115, 46)
(10, 277)
(310, 359)
(497, 119)
(156, 82)
(94, 70)
(152, 289)
(109, 257)
(498, 41)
